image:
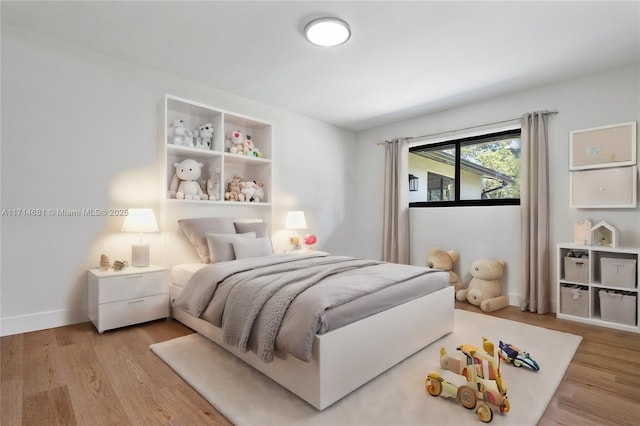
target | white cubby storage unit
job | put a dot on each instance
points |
(217, 158)
(599, 285)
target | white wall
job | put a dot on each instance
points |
(80, 130)
(594, 100)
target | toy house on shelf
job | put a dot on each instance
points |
(605, 235)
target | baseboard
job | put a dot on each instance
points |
(514, 299)
(41, 321)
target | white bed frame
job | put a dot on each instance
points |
(346, 358)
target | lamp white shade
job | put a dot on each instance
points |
(327, 32)
(296, 220)
(140, 220)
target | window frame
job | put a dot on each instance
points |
(458, 142)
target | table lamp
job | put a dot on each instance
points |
(295, 221)
(140, 220)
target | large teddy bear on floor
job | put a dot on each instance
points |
(437, 258)
(184, 184)
(484, 288)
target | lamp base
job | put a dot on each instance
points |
(294, 240)
(140, 255)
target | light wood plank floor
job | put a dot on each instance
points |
(74, 376)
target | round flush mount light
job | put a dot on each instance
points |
(327, 32)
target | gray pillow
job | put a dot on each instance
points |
(196, 231)
(221, 245)
(257, 247)
(260, 228)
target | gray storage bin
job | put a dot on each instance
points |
(618, 272)
(574, 300)
(576, 269)
(618, 307)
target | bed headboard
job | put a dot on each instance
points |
(176, 247)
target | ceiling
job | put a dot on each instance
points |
(404, 59)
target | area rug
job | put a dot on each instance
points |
(396, 397)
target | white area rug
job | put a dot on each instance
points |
(396, 397)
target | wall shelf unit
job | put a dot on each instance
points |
(217, 158)
(585, 292)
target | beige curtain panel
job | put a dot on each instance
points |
(395, 228)
(534, 207)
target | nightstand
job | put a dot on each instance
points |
(130, 296)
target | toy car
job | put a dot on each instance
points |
(517, 357)
(476, 383)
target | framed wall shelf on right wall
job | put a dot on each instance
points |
(602, 147)
(603, 188)
(602, 167)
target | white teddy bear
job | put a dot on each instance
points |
(237, 142)
(184, 184)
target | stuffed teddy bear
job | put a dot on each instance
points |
(184, 184)
(236, 140)
(437, 258)
(203, 136)
(234, 190)
(484, 288)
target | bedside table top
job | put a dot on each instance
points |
(129, 270)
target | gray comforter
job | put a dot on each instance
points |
(250, 298)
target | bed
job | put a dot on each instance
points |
(355, 340)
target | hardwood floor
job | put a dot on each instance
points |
(74, 376)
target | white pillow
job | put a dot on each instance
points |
(257, 247)
(221, 245)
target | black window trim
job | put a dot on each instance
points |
(466, 203)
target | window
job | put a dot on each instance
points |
(474, 171)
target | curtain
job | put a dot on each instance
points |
(534, 204)
(395, 228)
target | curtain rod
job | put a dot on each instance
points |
(469, 128)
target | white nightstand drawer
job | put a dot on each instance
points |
(132, 286)
(133, 311)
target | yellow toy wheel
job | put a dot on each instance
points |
(484, 412)
(433, 386)
(467, 397)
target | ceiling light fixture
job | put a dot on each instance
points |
(327, 32)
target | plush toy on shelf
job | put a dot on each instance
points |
(252, 191)
(234, 190)
(179, 135)
(213, 185)
(184, 185)
(247, 190)
(258, 196)
(484, 288)
(203, 135)
(438, 258)
(176, 132)
(247, 146)
(236, 141)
